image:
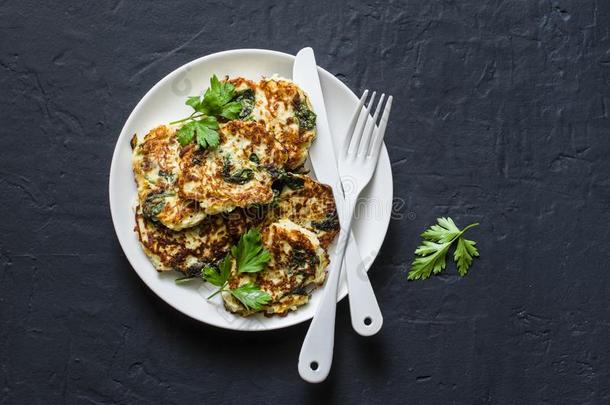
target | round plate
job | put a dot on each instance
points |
(165, 103)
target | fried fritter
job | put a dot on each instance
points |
(309, 204)
(285, 110)
(236, 172)
(189, 250)
(296, 268)
(156, 169)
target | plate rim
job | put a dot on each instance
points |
(114, 164)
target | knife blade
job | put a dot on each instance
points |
(364, 310)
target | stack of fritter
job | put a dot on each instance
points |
(195, 203)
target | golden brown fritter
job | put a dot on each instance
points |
(281, 106)
(286, 112)
(189, 250)
(156, 169)
(296, 268)
(195, 203)
(309, 204)
(236, 172)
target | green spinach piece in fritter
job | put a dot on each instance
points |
(283, 178)
(330, 223)
(292, 181)
(168, 176)
(240, 177)
(246, 99)
(306, 117)
(153, 204)
(301, 258)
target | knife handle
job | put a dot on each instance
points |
(364, 309)
(316, 355)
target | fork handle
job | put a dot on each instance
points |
(316, 355)
(364, 310)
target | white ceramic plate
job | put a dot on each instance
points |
(165, 103)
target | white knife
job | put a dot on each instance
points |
(365, 313)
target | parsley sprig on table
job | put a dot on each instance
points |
(430, 255)
(202, 125)
(250, 257)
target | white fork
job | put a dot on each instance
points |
(358, 160)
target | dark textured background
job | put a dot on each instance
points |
(501, 116)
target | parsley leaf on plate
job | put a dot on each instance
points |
(194, 102)
(249, 252)
(431, 254)
(218, 101)
(203, 130)
(207, 137)
(231, 110)
(218, 95)
(218, 277)
(251, 296)
(250, 257)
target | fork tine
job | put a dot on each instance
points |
(367, 139)
(355, 142)
(352, 125)
(380, 133)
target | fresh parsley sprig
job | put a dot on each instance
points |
(250, 257)
(203, 130)
(202, 125)
(249, 252)
(430, 255)
(217, 100)
(251, 296)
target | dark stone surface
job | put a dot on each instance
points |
(501, 116)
